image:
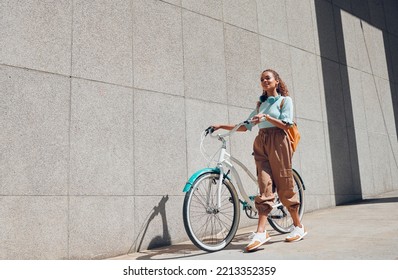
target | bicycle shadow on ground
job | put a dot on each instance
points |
(159, 240)
(186, 250)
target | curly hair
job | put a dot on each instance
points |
(281, 89)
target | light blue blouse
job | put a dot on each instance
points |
(272, 107)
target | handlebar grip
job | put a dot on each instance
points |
(208, 130)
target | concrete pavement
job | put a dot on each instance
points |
(364, 230)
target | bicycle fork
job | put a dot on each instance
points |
(221, 178)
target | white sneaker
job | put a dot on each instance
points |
(297, 234)
(257, 239)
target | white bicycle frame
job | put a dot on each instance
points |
(224, 160)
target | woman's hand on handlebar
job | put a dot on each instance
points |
(211, 129)
(259, 118)
(238, 127)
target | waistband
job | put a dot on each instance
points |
(268, 130)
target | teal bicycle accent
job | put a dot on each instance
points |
(197, 174)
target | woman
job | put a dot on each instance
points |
(273, 156)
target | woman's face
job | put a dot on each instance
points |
(268, 82)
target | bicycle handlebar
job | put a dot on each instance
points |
(210, 129)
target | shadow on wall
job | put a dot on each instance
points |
(391, 41)
(343, 149)
(342, 137)
(157, 241)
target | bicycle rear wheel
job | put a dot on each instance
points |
(211, 228)
(280, 218)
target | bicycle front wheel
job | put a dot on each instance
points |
(211, 228)
(280, 218)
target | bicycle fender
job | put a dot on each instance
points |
(198, 173)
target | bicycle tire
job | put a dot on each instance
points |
(209, 228)
(280, 218)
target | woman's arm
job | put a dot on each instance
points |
(276, 122)
(228, 127)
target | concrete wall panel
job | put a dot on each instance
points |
(102, 41)
(211, 8)
(160, 143)
(199, 116)
(36, 34)
(393, 46)
(365, 162)
(319, 201)
(174, 2)
(34, 227)
(361, 9)
(348, 51)
(376, 50)
(313, 158)
(339, 145)
(241, 13)
(157, 47)
(300, 24)
(273, 24)
(353, 90)
(390, 13)
(380, 159)
(393, 159)
(100, 226)
(204, 58)
(373, 109)
(279, 60)
(327, 32)
(334, 102)
(101, 139)
(376, 9)
(343, 4)
(306, 85)
(362, 45)
(385, 100)
(34, 140)
(243, 62)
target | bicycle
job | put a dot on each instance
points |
(211, 210)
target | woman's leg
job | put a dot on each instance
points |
(281, 165)
(264, 201)
(299, 231)
(295, 217)
(262, 222)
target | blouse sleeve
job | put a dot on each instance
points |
(249, 126)
(287, 111)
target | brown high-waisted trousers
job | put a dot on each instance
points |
(273, 156)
